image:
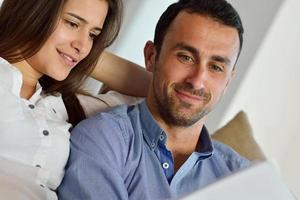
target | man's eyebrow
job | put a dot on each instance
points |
(83, 20)
(196, 53)
(189, 48)
(221, 59)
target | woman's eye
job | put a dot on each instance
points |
(93, 36)
(71, 24)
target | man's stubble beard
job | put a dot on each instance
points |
(169, 106)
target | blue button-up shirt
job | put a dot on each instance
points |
(121, 154)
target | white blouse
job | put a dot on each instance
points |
(34, 136)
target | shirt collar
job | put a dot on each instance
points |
(17, 79)
(150, 128)
(3, 61)
(204, 146)
(152, 131)
(10, 77)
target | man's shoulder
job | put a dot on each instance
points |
(118, 113)
(116, 122)
(232, 159)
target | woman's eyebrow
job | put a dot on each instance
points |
(82, 20)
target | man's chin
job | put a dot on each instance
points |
(188, 118)
(182, 121)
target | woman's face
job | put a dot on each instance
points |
(80, 22)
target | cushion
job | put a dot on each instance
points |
(237, 134)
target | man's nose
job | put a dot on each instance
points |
(197, 77)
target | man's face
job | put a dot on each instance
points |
(193, 69)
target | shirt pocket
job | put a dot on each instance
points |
(11, 107)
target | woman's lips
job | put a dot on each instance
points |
(69, 60)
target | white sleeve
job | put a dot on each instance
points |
(103, 102)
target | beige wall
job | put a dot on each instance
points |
(270, 93)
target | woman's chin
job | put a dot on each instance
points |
(59, 77)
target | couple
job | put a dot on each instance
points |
(157, 149)
(160, 148)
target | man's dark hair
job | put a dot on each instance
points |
(219, 10)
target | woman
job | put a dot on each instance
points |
(47, 49)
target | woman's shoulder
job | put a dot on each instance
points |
(10, 76)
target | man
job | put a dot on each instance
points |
(160, 148)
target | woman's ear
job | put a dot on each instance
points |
(149, 55)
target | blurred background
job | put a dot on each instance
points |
(267, 73)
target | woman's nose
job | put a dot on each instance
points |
(81, 44)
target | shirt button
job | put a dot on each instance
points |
(42, 185)
(31, 106)
(45, 132)
(165, 165)
(161, 137)
(39, 166)
(152, 144)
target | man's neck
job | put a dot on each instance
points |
(182, 141)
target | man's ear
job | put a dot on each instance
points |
(149, 55)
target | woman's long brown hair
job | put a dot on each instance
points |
(25, 25)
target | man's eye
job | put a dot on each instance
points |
(217, 68)
(185, 59)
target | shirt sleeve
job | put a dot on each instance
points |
(97, 158)
(234, 161)
(102, 102)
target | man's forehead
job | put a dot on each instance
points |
(203, 33)
(186, 24)
(186, 17)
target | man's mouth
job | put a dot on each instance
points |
(192, 97)
(189, 96)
